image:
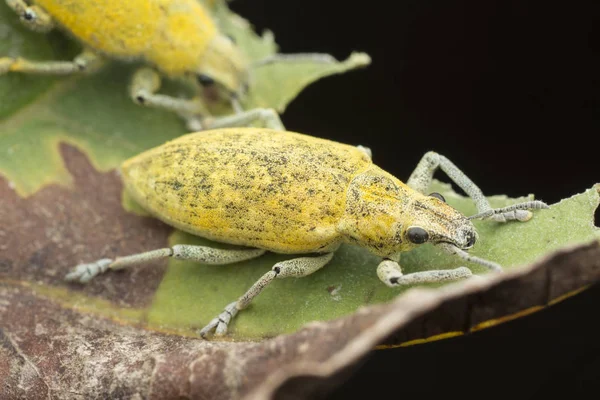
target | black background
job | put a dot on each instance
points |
(508, 90)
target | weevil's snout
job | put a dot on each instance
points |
(458, 232)
(469, 238)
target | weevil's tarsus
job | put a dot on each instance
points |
(319, 58)
(220, 323)
(451, 249)
(296, 268)
(33, 17)
(85, 62)
(390, 273)
(268, 117)
(85, 272)
(422, 176)
(518, 212)
(202, 254)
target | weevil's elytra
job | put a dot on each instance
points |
(286, 192)
(283, 193)
(175, 38)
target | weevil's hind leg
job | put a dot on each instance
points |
(390, 273)
(144, 85)
(297, 267)
(268, 117)
(207, 255)
(86, 61)
(32, 16)
(422, 176)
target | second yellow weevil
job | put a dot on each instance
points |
(174, 38)
(285, 192)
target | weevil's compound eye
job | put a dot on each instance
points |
(438, 196)
(28, 15)
(205, 80)
(417, 235)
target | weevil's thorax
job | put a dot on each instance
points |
(375, 210)
(380, 209)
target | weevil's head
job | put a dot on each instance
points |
(387, 217)
(430, 220)
(223, 71)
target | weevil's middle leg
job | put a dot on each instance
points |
(85, 61)
(146, 82)
(144, 85)
(202, 254)
(390, 273)
(32, 16)
(422, 176)
(297, 267)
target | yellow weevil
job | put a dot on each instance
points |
(175, 38)
(285, 192)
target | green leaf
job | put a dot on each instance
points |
(94, 112)
(191, 294)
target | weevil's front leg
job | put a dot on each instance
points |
(33, 16)
(205, 255)
(297, 267)
(390, 273)
(268, 117)
(86, 61)
(422, 176)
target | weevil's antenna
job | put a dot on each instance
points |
(449, 248)
(321, 58)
